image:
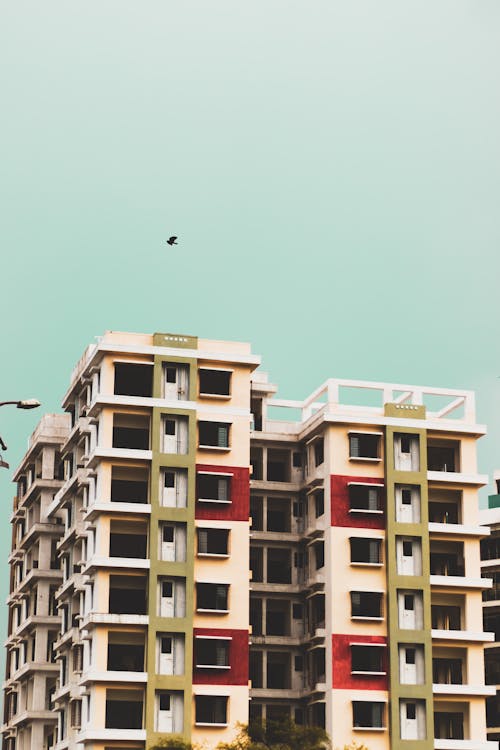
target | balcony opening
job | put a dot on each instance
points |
(318, 555)
(317, 611)
(213, 541)
(129, 485)
(319, 503)
(211, 709)
(211, 653)
(279, 567)
(133, 379)
(366, 604)
(257, 564)
(317, 451)
(125, 652)
(490, 548)
(277, 617)
(366, 551)
(278, 515)
(446, 617)
(445, 507)
(448, 725)
(255, 669)
(128, 539)
(124, 709)
(212, 597)
(317, 666)
(365, 498)
(364, 445)
(256, 615)
(367, 659)
(493, 711)
(213, 434)
(443, 455)
(367, 714)
(256, 513)
(492, 666)
(214, 382)
(131, 431)
(127, 595)
(278, 465)
(213, 488)
(256, 409)
(256, 463)
(447, 671)
(278, 670)
(447, 558)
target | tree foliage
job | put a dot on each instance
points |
(278, 735)
(172, 743)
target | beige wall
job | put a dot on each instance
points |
(343, 733)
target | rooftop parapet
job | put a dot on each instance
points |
(388, 403)
(51, 427)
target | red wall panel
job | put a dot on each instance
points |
(238, 659)
(339, 502)
(239, 507)
(341, 664)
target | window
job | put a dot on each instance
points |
(366, 604)
(367, 659)
(211, 709)
(368, 714)
(215, 382)
(131, 431)
(133, 380)
(319, 503)
(319, 452)
(212, 653)
(76, 714)
(364, 445)
(124, 709)
(213, 541)
(365, 498)
(366, 551)
(212, 488)
(212, 597)
(409, 601)
(213, 434)
(406, 496)
(297, 611)
(296, 460)
(410, 655)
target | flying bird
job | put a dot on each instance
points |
(172, 241)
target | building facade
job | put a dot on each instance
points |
(201, 563)
(490, 562)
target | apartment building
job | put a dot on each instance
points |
(205, 562)
(490, 562)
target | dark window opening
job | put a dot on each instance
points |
(130, 431)
(256, 513)
(257, 564)
(127, 595)
(214, 488)
(364, 446)
(213, 541)
(256, 616)
(214, 434)
(367, 714)
(212, 596)
(128, 657)
(279, 569)
(319, 555)
(277, 617)
(215, 382)
(256, 462)
(448, 725)
(447, 671)
(123, 713)
(133, 380)
(443, 457)
(278, 515)
(444, 513)
(211, 653)
(367, 551)
(278, 465)
(128, 486)
(367, 659)
(128, 545)
(365, 498)
(211, 709)
(278, 671)
(445, 617)
(319, 452)
(366, 604)
(319, 503)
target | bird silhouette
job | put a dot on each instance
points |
(172, 240)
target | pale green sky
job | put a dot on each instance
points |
(332, 168)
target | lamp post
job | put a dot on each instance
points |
(29, 403)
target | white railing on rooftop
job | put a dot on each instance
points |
(365, 396)
(80, 365)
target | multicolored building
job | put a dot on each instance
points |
(200, 562)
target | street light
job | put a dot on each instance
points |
(28, 403)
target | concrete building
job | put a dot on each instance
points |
(212, 563)
(490, 562)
